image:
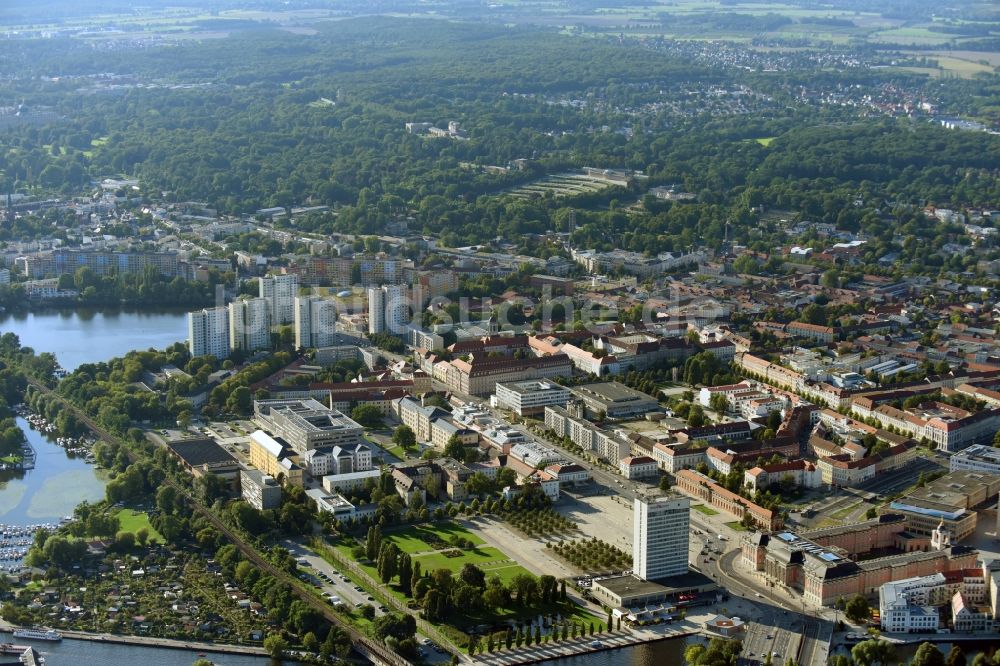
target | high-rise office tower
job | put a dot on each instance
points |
(661, 532)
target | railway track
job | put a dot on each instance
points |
(367, 647)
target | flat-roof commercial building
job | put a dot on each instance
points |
(976, 458)
(530, 397)
(614, 400)
(306, 424)
(260, 490)
(345, 483)
(661, 533)
(951, 500)
(629, 591)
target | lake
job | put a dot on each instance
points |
(85, 335)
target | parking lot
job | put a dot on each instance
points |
(338, 589)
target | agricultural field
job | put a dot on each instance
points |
(561, 185)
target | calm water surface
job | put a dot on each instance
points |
(85, 335)
(51, 490)
(87, 653)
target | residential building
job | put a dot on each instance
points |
(315, 322)
(661, 531)
(638, 467)
(800, 473)
(208, 333)
(388, 309)
(845, 471)
(249, 324)
(570, 423)
(280, 291)
(58, 262)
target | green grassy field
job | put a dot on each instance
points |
(735, 526)
(133, 521)
(421, 538)
(707, 510)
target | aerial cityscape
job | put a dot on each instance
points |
(569, 332)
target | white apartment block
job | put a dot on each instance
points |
(280, 292)
(208, 332)
(388, 309)
(249, 324)
(661, 530)
(315, 322)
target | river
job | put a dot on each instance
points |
(85, 335)
(88, 653)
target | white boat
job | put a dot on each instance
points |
(38, 634)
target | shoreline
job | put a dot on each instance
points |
(582, 646)
(149, 641)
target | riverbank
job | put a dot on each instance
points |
(589, 645)
(146, 641)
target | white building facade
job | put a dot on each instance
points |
(208, 332)
(315, 322)
(661, 531)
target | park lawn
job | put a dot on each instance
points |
(707, 510)
(504, 567)
(132, 521)
(422, 538)
(735, 526)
